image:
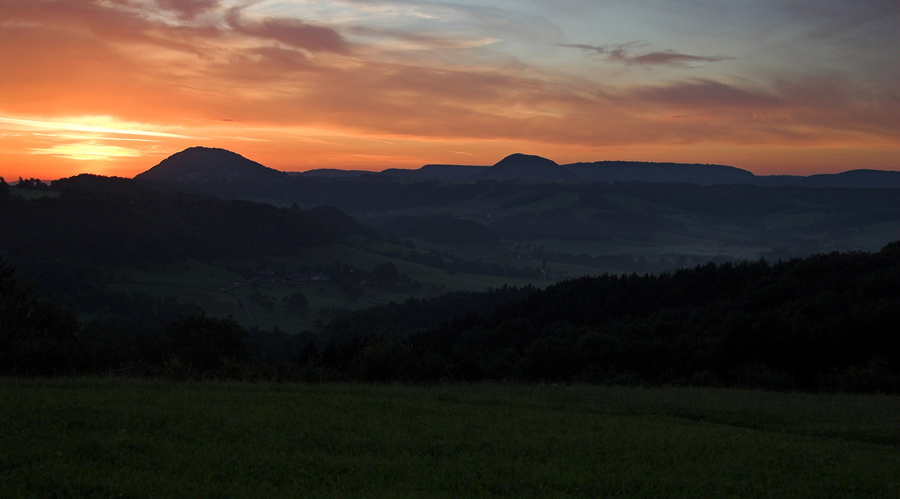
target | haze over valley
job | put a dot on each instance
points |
(364, 238)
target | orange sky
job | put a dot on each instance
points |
(115, 86)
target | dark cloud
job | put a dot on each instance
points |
(671, 58)
(291, 32)
(624, 54)
(188, 9)
(111, 23)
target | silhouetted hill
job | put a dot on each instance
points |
(205, 164)
(850, 179)
(527, 167)
(628, 171)
(330, 172)
(99, 183)
(227, 174)
(440, 172)
(220, 173)
(103, 220)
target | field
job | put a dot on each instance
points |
(212, 287)
(138, 438)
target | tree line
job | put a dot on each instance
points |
(823, 322)
(826, 322)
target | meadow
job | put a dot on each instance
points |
(104, 437)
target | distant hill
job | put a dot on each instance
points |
(527, 167)
(537, 169)
(221, 173)
(330, 172)
(105, 220)
(217, 171)
(630, 171)
(850, 179)
(530, 168)
(205, 164)
(441, 172)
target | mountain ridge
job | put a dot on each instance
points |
(527, 167)
(200, 165)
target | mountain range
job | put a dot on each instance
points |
(198, 165)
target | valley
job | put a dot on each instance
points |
(377, 277)
(201, 225)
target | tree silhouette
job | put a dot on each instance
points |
(36, 337)
(205, 343)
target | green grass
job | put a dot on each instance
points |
(134, 438)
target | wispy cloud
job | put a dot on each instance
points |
(188, 9)
(708, 94)
(408, 74)
(122, 129)
(291, 32)
(89, 151)
(423, 41)
(90, 138)
(627, 54)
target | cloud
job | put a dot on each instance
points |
(93, 124)
(704, 93)
(623, 54)
(421, 41)
(285, 71)
(111, 22)
(89, 151)
(188, 9)
(279, 59)
(292, 32)
(115, 24)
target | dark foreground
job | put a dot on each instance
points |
(132, 438)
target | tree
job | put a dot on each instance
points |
(353, 289)
(4, 188)
(36, 337)
(6, 271)
(384, 274)
(296, 303)
(32, 183)
(206, 343)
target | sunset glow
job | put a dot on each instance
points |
(115, 86)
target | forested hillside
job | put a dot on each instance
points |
(827, 322)
(68, 240)
(116, 250)
(109, 220)
(824, 322)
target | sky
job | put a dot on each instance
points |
(112, 87)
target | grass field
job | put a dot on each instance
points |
(135, 438)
